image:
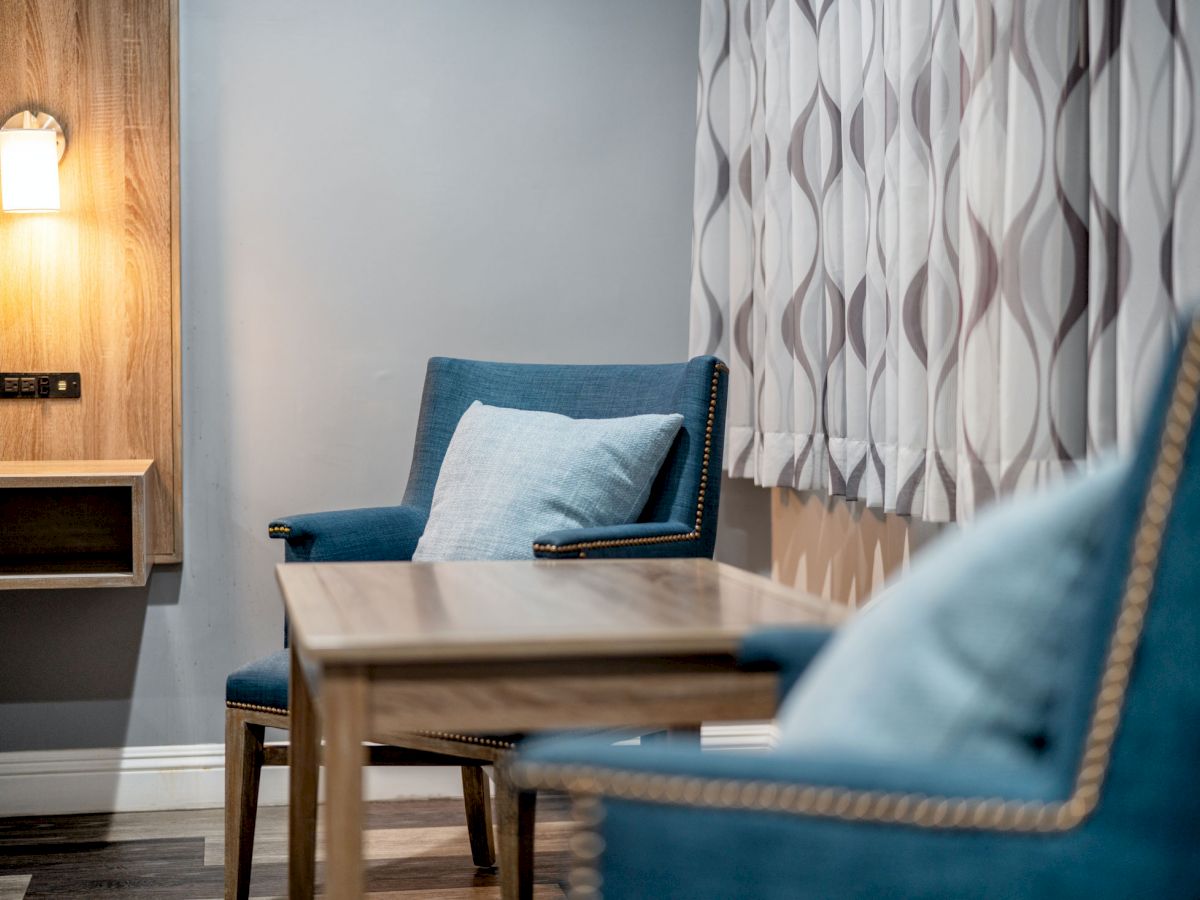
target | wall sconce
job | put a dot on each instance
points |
(31, 144)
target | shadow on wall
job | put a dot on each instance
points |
(744, 525)
(839, 549)
(70, 661)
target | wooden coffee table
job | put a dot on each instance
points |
(388, 649)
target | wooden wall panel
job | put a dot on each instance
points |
(840, 549)
(95, 287)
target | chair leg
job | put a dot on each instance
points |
(515, 809)
(478, 801)
(243, 767)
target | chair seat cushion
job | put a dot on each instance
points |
(960, 656)
(512, 475)
(262, 683)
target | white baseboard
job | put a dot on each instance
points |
(137, 779)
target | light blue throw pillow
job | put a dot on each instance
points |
(959, 656)
(512, 475)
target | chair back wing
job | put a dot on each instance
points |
(1131, 736)
(695, 389)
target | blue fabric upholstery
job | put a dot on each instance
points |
(676, 509)
(785, 650)
(679, 519)
(641, 540)
(1132, 829)
(262, 683)
(691, 389)
(349, 535)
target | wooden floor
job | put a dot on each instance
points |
(414, 849)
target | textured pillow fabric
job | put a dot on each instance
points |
(511, 475)
(959, 657)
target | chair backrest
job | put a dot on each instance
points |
(695, 389)
(1128, 730)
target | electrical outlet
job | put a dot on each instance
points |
(39, 386)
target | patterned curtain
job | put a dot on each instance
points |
(942, 243)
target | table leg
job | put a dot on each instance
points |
(515, 810)
(343, 706)
(304, 767)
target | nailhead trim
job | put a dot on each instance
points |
(692, 535)
(444, 735)
(468, 739)
(584, 881)
(279, 530)
(255, 707)
(955, 813)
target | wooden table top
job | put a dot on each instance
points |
(401, 612)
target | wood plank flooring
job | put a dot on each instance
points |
(414, 849)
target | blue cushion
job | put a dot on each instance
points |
(960, 656)
(511, 475)
(262, 683)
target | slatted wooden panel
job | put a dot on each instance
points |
(95, 288)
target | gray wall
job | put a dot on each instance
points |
(365, 185)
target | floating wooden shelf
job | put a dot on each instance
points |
(83, 523)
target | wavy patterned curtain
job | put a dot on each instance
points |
(942, 243)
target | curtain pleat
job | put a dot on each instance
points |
(941, 243)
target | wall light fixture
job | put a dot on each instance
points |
(31, 145)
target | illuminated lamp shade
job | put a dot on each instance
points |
(30, 147)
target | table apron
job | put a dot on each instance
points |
(518, 703)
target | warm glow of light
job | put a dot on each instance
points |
(29, 170)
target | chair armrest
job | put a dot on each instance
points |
(351, 535)
(636, 540)
(785, 650)
(677, 823)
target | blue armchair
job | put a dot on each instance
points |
(679, 519)
(1110, 807)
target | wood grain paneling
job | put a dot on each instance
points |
(95, 287)
(840, 549)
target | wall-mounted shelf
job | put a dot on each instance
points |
(83, 523)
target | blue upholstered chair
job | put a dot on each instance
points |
(1110, 807)
(679, 519)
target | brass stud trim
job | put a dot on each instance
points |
(279, 530)
(254, 707)
(961, 813)
(587, 846)
(468, 739)
(441, 735)
(697, 530)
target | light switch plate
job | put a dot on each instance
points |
(39, 386)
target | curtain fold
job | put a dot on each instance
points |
(941, 243)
